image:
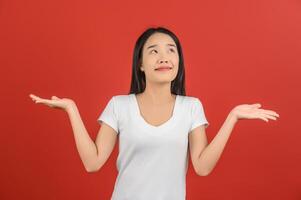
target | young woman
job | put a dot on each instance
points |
(156, 124)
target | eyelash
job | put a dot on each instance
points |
(156, 50)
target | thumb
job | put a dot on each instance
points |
(257, 105)
(54, 97)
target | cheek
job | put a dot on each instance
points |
(149, 60)
(175, 60)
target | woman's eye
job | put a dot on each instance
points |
(172, 50)
(153, 50)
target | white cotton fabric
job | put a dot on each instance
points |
(152, 160)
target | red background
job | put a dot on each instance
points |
(235, 52)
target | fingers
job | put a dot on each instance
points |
(263, 118)
(269, 112)
(33, 96)
(269, 116)
(37, 99)
(266, 117)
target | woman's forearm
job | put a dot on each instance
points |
(85, 145)
(211, 154)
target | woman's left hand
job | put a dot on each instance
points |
(253, 111)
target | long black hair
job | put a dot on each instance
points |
(138, 82)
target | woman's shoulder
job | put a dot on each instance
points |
(121, 98)
(192, 101)
(189, 99)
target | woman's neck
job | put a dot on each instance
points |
(157, 94)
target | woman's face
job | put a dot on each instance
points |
(160, 50)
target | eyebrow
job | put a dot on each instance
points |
(157, 45)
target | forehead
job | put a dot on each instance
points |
(159, 38)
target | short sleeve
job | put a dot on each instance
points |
(198, 115)
(109, 115)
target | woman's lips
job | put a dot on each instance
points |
(163, 68)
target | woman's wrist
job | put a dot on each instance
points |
(71, 106)
(232, 116)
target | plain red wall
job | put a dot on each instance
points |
(235, 52)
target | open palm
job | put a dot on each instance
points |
(253, 111)
(54, 102)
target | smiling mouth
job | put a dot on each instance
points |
(164, 68)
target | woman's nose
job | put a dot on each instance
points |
(163, 57)
(163, 61)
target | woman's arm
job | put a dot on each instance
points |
(212, 152)
(93, 154)
(85, 145)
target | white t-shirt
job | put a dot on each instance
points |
(152, 160)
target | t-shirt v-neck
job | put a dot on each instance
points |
(149, 126)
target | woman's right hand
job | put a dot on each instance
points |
(54, 102)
